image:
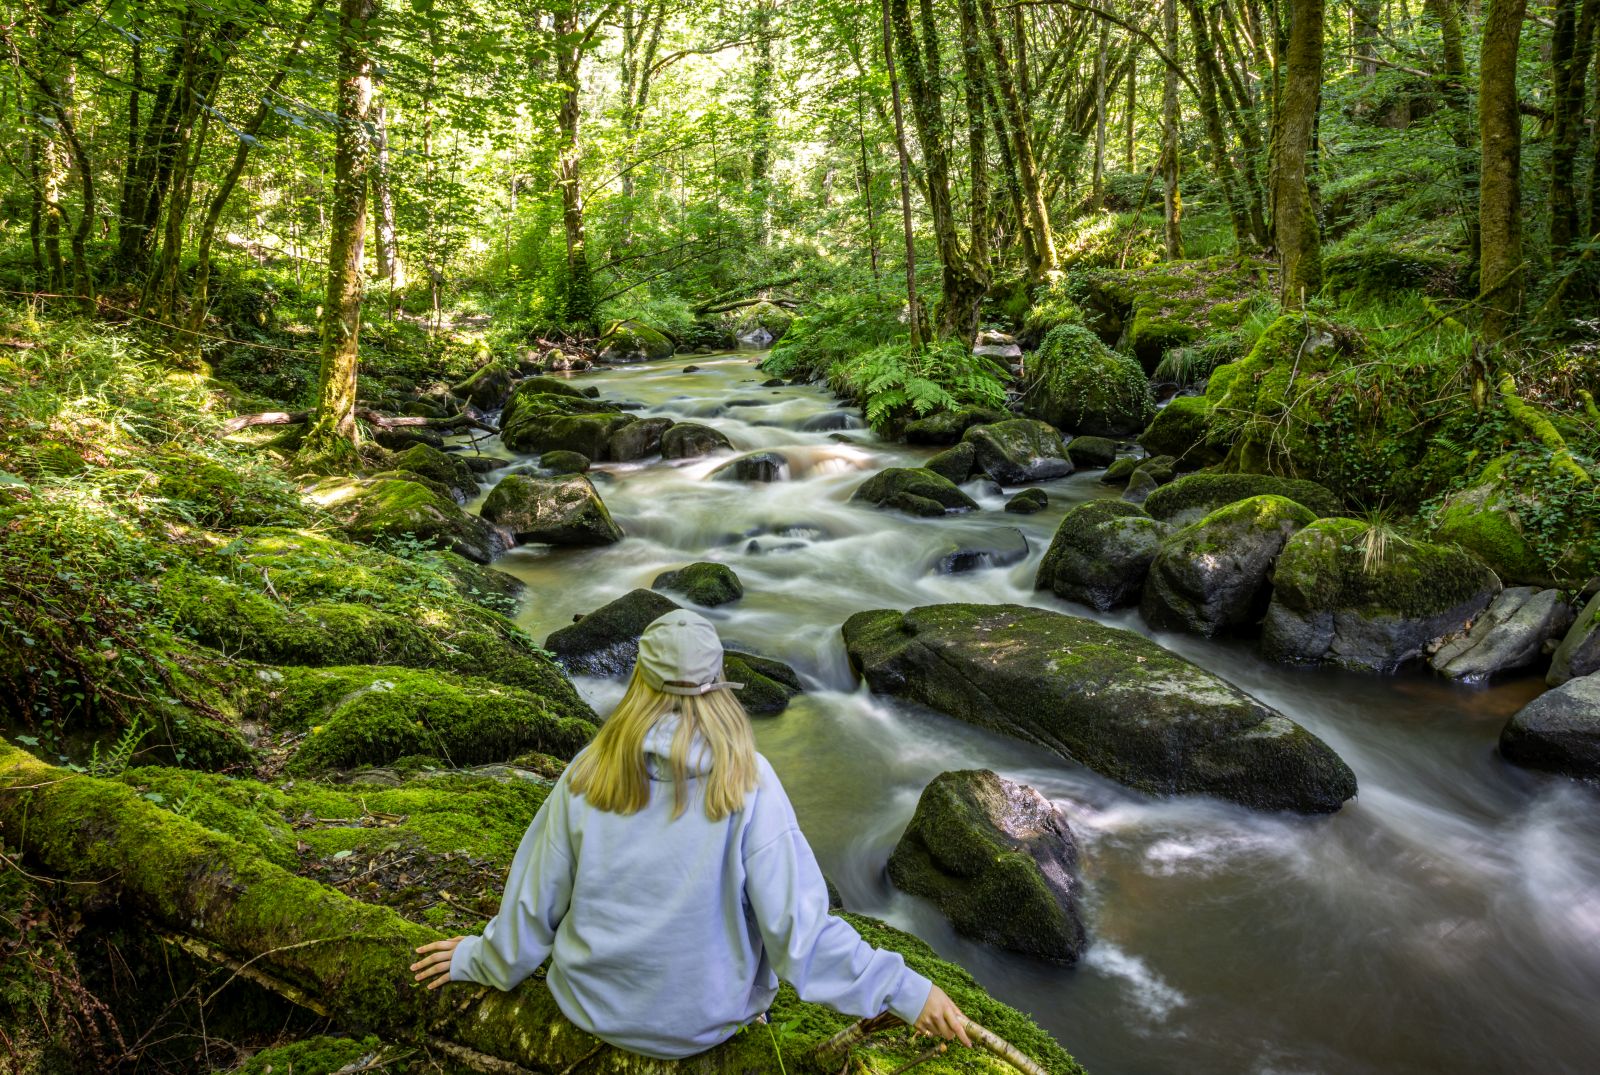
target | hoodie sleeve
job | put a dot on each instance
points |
(538, 890)
(818, 953)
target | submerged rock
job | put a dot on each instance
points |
(1215, 575)
(1108, 699)
(1020, 451)
(637, 440)
(999, 860)
(563, 510)
(1337, 599)
(686, 440)
(1513, 633)
(1000, 548)
(1101, 554)
(1579, 652)
(1195, 495)
(371, 509)
(1028, 502)
(765, 467)
(606, 641)
(914, 490)
(1559, 731)
(706, 584)
(830, 421)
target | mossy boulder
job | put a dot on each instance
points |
(1091, 453)
(706, 584)
(764, 467)
(633, 341)
(999, 860)
(489, 387)
(1148, 312)
(375, 509)
(762, 324)
(545, 431)
(560, 462)
(914, 490)
(1533, 523)
(1559, 731)
(1194, 496)
(1020, 451)
(688, 440)
(955, 464)
(1120, 469)
(1141, 483)
(375, 715)
(1106, 698)
(1180, 429)
(1339, 598)
(768, 685)
(605, 642)
(1028, 502)
(1514, 633)
(637, 440)
(1579, 652)
(1080, 384)
(548, 395)
(563, 510)
(946, 427)
(1101, 554)
(1214, 576)
(447, 469)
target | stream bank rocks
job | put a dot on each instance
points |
(1519, 627)
(1559, 731)
(1194, 495)
(999, 860)
(1019, 452)
(372, 509)
(913, 490)
(1106, 698)
(1579, 652)
(560, 510)
(1101, 554)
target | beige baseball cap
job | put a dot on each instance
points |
(680, 653)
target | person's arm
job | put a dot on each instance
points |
(538, 890)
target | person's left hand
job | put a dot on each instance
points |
(435, 962)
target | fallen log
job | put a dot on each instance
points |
(366, 414)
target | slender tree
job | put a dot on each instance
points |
(1501, 276)
(914, 318)
(1171, 196)
(1296, 233)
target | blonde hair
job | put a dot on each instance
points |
(611, 773)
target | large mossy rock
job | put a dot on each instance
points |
(1020, 451)
(451, 471)
(1525, 519)
(1338, 599)
(946, 427)
(377, 509)
(606, 641)
(1101, 554)
(1106, 698)
(637, 440)
(1512, 634)
(1148, 312)
(633, 341)
(706, 584)
(535, 432)
(954, 464)
(768, 684)
(1092, 453)
(914, 490)
(359, 716)
(1180, 429)
(1579, 652)
(549, 394)
(1214, 575)
(1080, 384)
(688, 440)
(1559, 731)
(489, 387)
(762, 325)
(999, 860)
(562, 510)
(763, 467)
(1194, 496)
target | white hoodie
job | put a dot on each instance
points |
(665, 933)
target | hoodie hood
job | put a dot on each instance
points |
(658, 750)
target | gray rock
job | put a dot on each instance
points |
(830, 421)
(915, 490)
(1101, 554)
(954, 464)
(559, 462)
(687, 440)
(637, 440)
(1001, 548)
(1020, 451)
(489, 387)
(1141, 483)
(562, 510)
(1512, 634)
(999, 860)
(1559, 731)
(755, 467)
(1579, 652)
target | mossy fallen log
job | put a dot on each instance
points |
(307, 940)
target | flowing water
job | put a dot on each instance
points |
(1446, 920)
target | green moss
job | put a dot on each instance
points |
(375, 509)
(1194, 495)
(1180, 429)
(768, 684)
(1171, 305)
(1081, 385)
(908, 488)
(706, 584)
(321, 1055)
(1326, 566)
(213, 494)
(1533, 523)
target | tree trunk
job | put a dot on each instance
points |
(1571, 47)
(1171, 196)
(1216, 135)
(914, 319)
(974, 83)
(1501, 278)
(335, 430)
(1294, 223)
(761, 113)
(866, 187)
(1097, 185)
(1128, 112)
(572, 39)
(384, 231)
(1365, 14)
(1453, 89)
(1038, 218)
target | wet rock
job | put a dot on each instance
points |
(558, 361)
(768, 684)
(633, 341)
(914, 490)
(947, 427)
(748, 403)
(687, 440)
(706, 584)
(559, 462)
(999, 860)
(954, 464)
(1120, 470)
(761, 325)
(772, 382)
(1179, 429)
(1215, 575)
(763, 467)
(1141, 483)
(691, 369)
(840, 438)
(489, 387)
(830, 421)
(1019, 451)
(399, 438)
(606, 641)
(637, 440)
(1559, 731)
(1091, 453)
(1028, 501)
(1194, 495)
(1001, 548)
(454, 473)
(1101, 554)
(1515, 632)
(371, 509)
(549, 394)
(1079, 383)
(562, 510)
(1335, 602)
(1108, 699)
(1579, 652)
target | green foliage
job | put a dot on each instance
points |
(1089, 388)
(894, 384)
(833, 330)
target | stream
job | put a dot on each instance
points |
(1446, 920)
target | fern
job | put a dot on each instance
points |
(895, 384)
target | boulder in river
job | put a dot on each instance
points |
(560, 462)
(1579, 652)
(1079, 383)
(549, 394)
(1028, 501)
(1101, 554)
(706, 584)
(914, 490)
(1091, 453)
(633, 341)
(562, 510)
(1195, 495)
(1141, 483)
(1106, 698)
(954, 464)
(371, 509)
(768, 684)
(1215, 575)
(947, 427)
(453, 472)
(488, 387)
(1001, 547)
(830, 421)
(1518, 628)
(606, 641)
(1347, 596)
(637, 440)
(687, 440)
(1120, 469)
(1179, 429)
(587, 434)
(1559, 731)
(999, 860)
(765, 467)
(1020, 451)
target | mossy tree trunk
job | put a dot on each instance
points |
(1446, 14)
(335, 423)
(914, 319)
(573, 38)
(1171, 196)
(973, 85)
(762, 107)
(1294, 220)
(1571, 47)
(1501, 277)
(1012, 98)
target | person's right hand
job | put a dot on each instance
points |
(941, 1018)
